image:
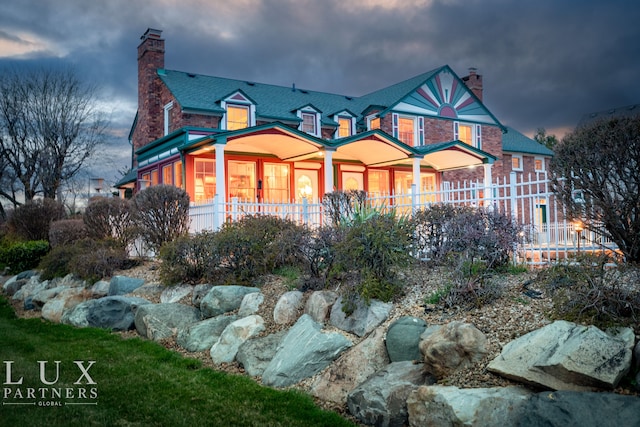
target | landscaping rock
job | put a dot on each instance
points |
(319, 305)
(100, 289)
(250, 304)
(566, 356)
(13, 285)
(115, 312)
(226, 348)
(403, 339)
(77, 315)
(255, 354)
(304, 351)
(120, 285)
(54, 308)
(223, 299)
(364, 319)
(202, 335)
(176, 293)
(382, 399)
(199, 292)
(351, 369)
(32, 287)
(287, 308)
(40, 298)
(451, 347)
(160, 321)
(452, 406)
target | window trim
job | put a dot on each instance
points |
(476, 133)
(351, 126)
(237, 106)
(166, 117)
(316, 122)
(372, 118)
(520, 168)
(542, 162)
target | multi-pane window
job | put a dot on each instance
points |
(516, 163)
(276, 182)
(468, 133)
(205, 179)
(167, 174)
(167, 117)
(374, 123)
(344, 128)
(378, 182)
(539, 164)
(242, 180)
(309, 123)
(237, 117)
(406, 130)
(172, 174)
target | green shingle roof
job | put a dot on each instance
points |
(515, 142)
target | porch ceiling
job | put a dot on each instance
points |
(280, 144)
(372, 151)
(451, 158)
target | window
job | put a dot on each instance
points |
(309, 123)
(378, 182)
(172, 174)
(539, 164)
(177, 174)
(406, 130)
(374, 123)
(344, 128)
(276, 183)
(468, 133)
(237, 117)
(516, 162)
(167, 174)
(167, 117)
(205, 179)
(242, 180)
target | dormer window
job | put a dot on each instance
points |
(345, 127)
(237, 117)
(309, 123)
(373, 122)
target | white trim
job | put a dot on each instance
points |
(166, 117)
(520, 162)
(541, 159)
(311, 112)
(476, 133)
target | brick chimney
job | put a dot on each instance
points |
(150, 115)
(474, 82)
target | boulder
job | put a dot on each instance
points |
(77, 315)
(40, 298)
(451, 406)
(223, 299)
(199, 292)
(382, 399)
(176, 293)
(451, 347)
(255, 354)
(304, 351)
(160, 321)
(566, 356)
(32, 287)
(351, 369)
(250, 304)
(364, 319)
(572, 408)
(226, 348)
(100, 289)
(319, 304)
(120, 285)
(403, 338)
(54, 309)
(287, 308)
(150, 291)
(201, 335)
(115, 312)
(13, 285)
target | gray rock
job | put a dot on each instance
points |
(40, 298)
(226, 348)
(382, 399)
(120, 285)
(403, 339)
(250, 304)
(287, 308)
(364, 319)
(32, 287)
(351, 369)
(304, 351)
(451, 406)
(160, 321)
(566, 356)
(68, 298)
(319, 304)
(199, 292)
(255, 354)
(223, 299)
(176, 293)
(13, 285)
(100, 289)
(202, 335)
(451, 347)
(584, 409)
(150, 291)
(116, 312)
(27, 274)
(77, 315)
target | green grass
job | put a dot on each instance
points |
(138, 383)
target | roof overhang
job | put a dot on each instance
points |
(373, 148)
(453, 155)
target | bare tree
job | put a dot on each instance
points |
(595, 172)
(49, 127)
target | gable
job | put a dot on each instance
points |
(444, 95)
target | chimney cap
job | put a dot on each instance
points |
(472, 70)
(151, 33)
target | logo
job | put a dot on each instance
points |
(48, 388)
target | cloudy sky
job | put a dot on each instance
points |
(544, 63)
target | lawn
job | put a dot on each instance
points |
(57, 375)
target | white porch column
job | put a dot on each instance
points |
(221, 191)
(328, 171)
(488, 185)
(416, 173)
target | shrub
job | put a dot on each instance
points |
(32, 220)
(88, 259)
(341, 205)
(109, 218)
(375, 244)
(318, 255)
(161, 214)
(66, 231)
(190, 259)
(21, 256)
(589, 290)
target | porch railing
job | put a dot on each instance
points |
(528, 200)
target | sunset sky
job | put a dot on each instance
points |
(545, 63)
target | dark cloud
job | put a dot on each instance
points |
(544, 63)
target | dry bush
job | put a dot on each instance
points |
(65, 231)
